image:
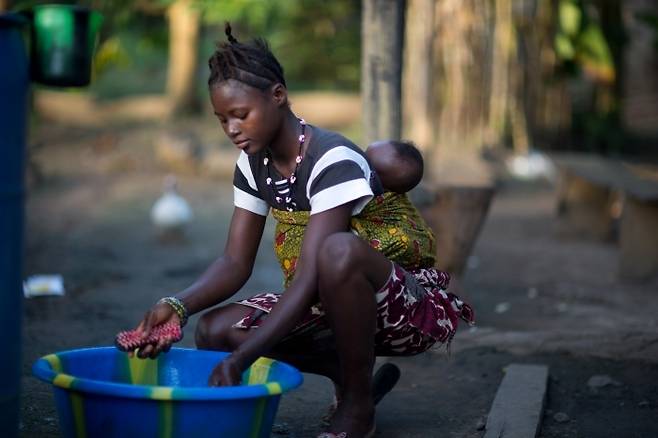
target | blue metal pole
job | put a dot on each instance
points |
(14, 86)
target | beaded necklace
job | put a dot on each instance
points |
(283, 192)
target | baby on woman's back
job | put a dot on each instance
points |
(399, 164)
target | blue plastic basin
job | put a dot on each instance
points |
(100, 392)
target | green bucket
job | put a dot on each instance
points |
(63, 41)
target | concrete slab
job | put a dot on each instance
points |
(519, 403)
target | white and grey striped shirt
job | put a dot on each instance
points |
(334, 171)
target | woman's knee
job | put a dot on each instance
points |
(206, 335)
(339, 256)
(215, 331)
(345, 259)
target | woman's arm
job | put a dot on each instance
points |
(229, 272)
(296, 300)
(220, 281)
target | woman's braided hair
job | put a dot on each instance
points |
(252, 63)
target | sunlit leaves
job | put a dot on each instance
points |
(594, 55)
(570, 17)
(580, 41)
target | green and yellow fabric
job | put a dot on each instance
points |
(389, 223)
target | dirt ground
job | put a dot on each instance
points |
(539, 298)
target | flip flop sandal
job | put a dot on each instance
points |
(370, 434)
(382, 382)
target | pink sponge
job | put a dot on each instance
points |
(131, 340)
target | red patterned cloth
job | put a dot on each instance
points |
(413, 313)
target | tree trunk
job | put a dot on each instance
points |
(545, 96)
(418, 74)
(640, 63)
(502, 51)
(506, 100)
(462, 67)
(381, 68)
(456, 215)
(184, 32)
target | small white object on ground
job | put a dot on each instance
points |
(171, 211)
(561, 417)
(473, 262)
(601, 380)
(43, 286)
(281, 429)
(532, 293)
(502, 307)
(533, 165)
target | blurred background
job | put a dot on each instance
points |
(567, 74)
(500, 95)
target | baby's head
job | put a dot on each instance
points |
(399, 164)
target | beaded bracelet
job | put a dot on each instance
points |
(178, 307)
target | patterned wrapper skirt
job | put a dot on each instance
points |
(413, 313)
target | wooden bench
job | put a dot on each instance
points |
(610, 199)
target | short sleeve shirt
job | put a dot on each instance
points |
(333, 172)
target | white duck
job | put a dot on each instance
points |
(171, 212)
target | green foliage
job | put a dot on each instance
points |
(116, 12)
(564, 47)
(594, 54)
(570, 17)
(110, 53)
(317, 42)
(257, 15)
(588, 37)
(130, 62)
(581, 44)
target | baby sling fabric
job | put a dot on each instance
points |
(413, 309)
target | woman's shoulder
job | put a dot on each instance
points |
(324, 140)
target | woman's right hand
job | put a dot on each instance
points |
(161, 313)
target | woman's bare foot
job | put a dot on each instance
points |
(355, 419)
(382, 382)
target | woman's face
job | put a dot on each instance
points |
(249, 117)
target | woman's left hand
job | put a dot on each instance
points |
(227, 373)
